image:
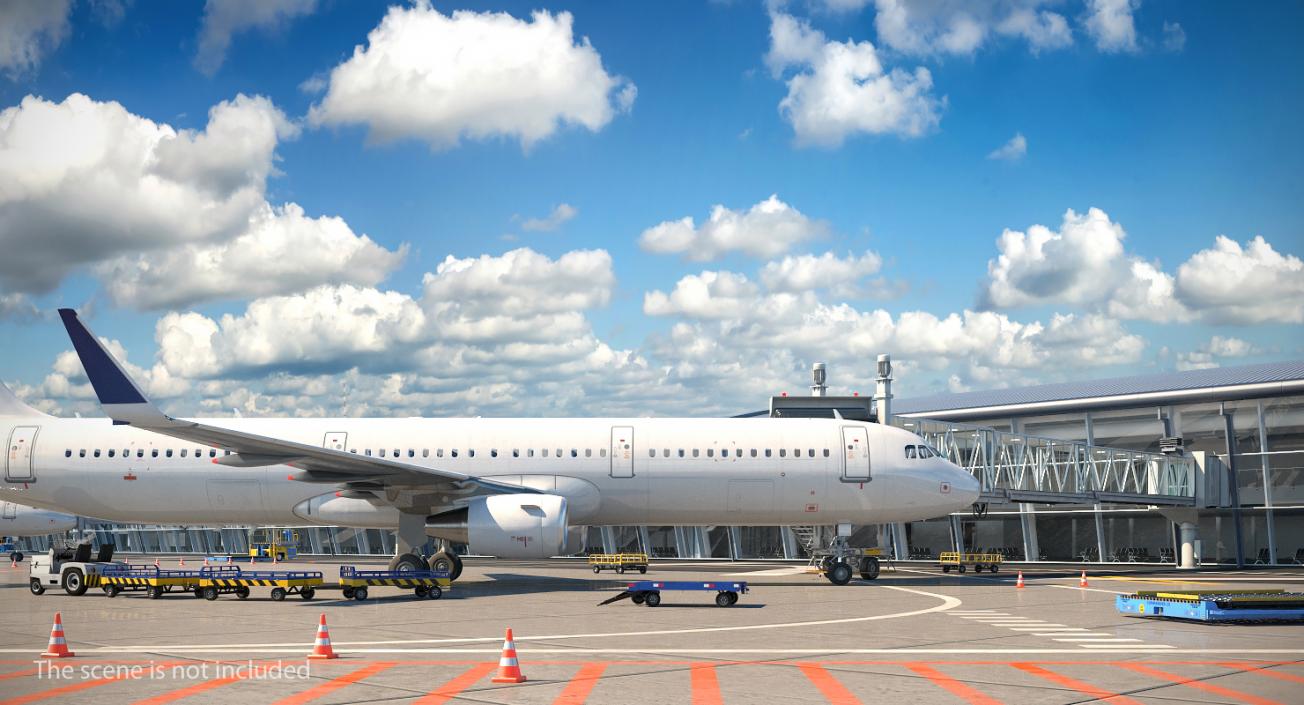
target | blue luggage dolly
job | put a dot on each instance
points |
(429, 584)
(1215, 605)
(648, 592)
(214, 581)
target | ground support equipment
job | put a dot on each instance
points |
(154, 581)
(948, 560)
(429, 584)
(648, 592)
(619, 562)
(215, 581)
(839, 563)
(1215, 605)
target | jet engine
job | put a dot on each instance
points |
(509, 526)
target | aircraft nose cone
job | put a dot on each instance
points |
(966, 487)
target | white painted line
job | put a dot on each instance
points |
(1075, 587)
(1068, 632)
(1024, 623)
(976, 612)
(1094, 639)
(301, 649)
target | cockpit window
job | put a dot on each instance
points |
(910, 451)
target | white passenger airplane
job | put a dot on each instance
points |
(20, 520)
(514, 488)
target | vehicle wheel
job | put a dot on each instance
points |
(210, 593)
(406, 563)
(360, 594)
(112, 590)
(620, 569)
(960, 568)
(308, 593)
(637, 598)
(36, 586)
(242, 592)
(946, 569)
(733, 598)
(839, 573)
(18, 557)
(74, 582)
(278, 594)
(869, 568)
(421, 591)
(155, 592)
(435, 592)
(348, 593)
(722, 599)
(642, 569)
(596, 570)
(652, 599)
(995, 567)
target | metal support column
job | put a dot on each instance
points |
(1028, 520)
(957, 534)
(1100, 532)
(900, 542)
(1233, 485)
(1267, 487)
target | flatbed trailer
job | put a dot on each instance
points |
(962, 561)
(429, 584)
(1215, 605)
(217, 580)
(619, 562)
(648, 592)
(151, 579)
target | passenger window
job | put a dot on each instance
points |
(183, 452)
(529, 453)
(493, 452)
(695, 452)
(826, 452)
(81, 453)
(97, 452)
(168, 452)
(753, 452)
(810, 452)
(396, 452)
(439, 452)
(66, 453)
(602, 452)
(516, 452)
(768, 453)
(368, 452)
(545, 452)
(681, 452)
(425, 452)
(651, 452)
(710, 452)
(140, 452)
(112, 452)
(154, 453)
(796, 452)
(412, 453)
(665, 452)
(559, 452)
(575, 453)
(470, 452)
(783, 452)
(453, 452)
(588, 452)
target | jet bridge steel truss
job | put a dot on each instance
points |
(1016, 467)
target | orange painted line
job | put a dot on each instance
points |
(961, 690)
(18, 674)
(334, 684)
(705, 686)
(1075, 684)
(1279, 675)
(189, 690)
(455, 686)
(579, 687)
(832, 688)
(1200, 685)
(77, 687)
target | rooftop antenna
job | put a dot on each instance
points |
(883, 389)
(819, 377)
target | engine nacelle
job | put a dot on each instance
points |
(508, 525)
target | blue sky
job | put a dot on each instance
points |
(1177, 121)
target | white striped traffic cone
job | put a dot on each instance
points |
(1082, 582)
(509, 669)
(58, 647)
(322, 648)
(1019, 583)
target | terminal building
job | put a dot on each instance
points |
(1133, 469)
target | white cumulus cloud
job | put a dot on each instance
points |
(962, 27)
(841, 89)
(443, 78)
(225, 18)
(1111, 25)
(558, 217)
(1011, 151)
(841, 275)
(1082, 262)
(1251, 283)
(28, 30)
(767, 229)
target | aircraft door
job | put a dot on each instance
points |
(622, 451)
(335, 441)
(18, 459)
(855, 454)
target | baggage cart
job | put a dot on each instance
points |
(648, 592)
(154, 581)
(1215, 605)
(429, 584)
(218, 580)
(949, 560)
(619, 562)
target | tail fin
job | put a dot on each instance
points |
(11, 405)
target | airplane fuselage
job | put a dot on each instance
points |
(612, 471)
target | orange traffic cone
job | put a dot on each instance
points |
(322, 648)
(1019, 582)
(156, 562)
(58, 647)
(13, 561)
(1082, 582)
(205, 561)
(181, 561)
(509, 669)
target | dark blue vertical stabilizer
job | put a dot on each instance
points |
(111, 384)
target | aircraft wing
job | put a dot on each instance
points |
(124, 402)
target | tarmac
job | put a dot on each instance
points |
(914, 635)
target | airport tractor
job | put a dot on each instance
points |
(69, 567)
(9, 548)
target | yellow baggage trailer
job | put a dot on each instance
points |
(114, 579)
(423, 583)
(214, 581)
(619, 562)
(961, 561)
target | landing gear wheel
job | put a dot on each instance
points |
(637, 598)
(652, 599)
(839, 573)
(449, 561)
(360, 594)
(307, 593)
(242, 592)
(348, 593)
(210, 593)
(74, 582)
(407, 563)
(435, 592)
(869, 568)
(36, 586)
(278, 594)
(722, 599)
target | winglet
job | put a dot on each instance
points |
(118, 394)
